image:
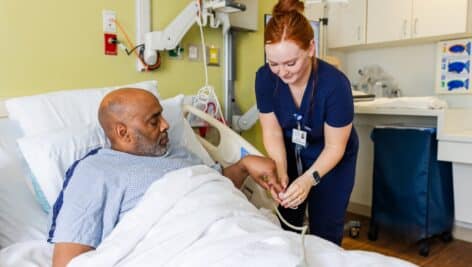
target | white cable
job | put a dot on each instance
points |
(202, 37)
(207, 92)
(303, 230)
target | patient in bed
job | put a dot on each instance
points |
(106, 183)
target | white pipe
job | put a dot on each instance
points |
(143, 25)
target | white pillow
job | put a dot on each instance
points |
(21, 219)
(42, 113)
(50, 155)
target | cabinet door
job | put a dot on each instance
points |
(346, 23)
(388, 20)
(438, 17)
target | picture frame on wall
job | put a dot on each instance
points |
(453, 67)
(315, 24)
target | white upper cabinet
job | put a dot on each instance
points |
(381, 21)
(438, 17)
(388, 20)
(394, 20)
(347, 23)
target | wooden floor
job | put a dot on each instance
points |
(456, 253)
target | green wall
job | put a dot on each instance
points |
(52, 45)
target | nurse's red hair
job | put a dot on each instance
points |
(289, 23)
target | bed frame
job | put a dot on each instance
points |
(229, 150)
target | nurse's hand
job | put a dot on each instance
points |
(297, 192)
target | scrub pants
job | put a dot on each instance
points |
(327, 201)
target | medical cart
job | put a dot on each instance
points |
(412, 190)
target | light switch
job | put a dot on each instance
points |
(109, 25)
(193, 52)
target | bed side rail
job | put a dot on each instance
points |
(230, 149)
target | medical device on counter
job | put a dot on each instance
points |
(375, 81)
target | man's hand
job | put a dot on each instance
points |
(65, 252)
(283, 178)
(264, 171)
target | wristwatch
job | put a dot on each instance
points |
(316, 178)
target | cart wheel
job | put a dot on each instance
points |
(424, 248)
(446, 237)
(373, 233)
(354, 232)
(354, 228)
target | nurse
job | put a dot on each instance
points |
(306, 112)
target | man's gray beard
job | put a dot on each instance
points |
(147, 148)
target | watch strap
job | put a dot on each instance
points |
(316, 178)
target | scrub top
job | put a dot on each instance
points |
(328, 101)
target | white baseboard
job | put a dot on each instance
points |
(462, 230)
(360, 209)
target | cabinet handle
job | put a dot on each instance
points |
(415, 27)
(405, 23)
(358, 33)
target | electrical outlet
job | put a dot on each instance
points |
(110, 46)
(109, 25)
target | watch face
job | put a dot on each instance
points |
(316, 177)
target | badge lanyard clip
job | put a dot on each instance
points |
(299, 139)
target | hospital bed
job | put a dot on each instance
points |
(23, 223)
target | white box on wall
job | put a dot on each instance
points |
(246, 20)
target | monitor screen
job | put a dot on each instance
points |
(316, 30)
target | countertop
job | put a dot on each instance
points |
(359, 109)
(453, 124)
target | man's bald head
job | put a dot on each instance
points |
(120, 106)
(132, 120)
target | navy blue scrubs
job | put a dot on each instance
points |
(327, 99)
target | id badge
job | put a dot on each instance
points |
(299, 137)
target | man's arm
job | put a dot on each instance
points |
(262, 170)
(65, 252)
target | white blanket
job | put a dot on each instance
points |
(195, 217)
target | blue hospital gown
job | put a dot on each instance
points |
(103, 187)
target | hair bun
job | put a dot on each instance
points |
(288, 6)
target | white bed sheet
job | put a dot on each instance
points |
(21, 218)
